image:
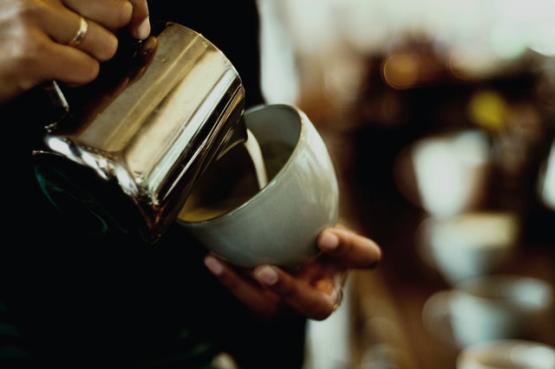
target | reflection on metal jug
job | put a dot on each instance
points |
(125, 157)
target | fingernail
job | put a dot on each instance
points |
(266, 275)
(328, 241)
(144, 29)
(213, 265)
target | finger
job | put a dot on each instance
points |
(254, 297)
(66, 64)
(61, 25)
(302, 297)
(349, 248)
(318, 269)
(112, 14)
(140, 23)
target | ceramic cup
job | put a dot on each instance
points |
(470, 244)
(451, 172)
(279, 223)
(491, 308)
(507, 354)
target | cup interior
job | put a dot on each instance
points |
(277, 129)
(231, 182)
(262, 121)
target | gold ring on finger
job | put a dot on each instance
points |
(80, 34)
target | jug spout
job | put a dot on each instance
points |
(149, 137)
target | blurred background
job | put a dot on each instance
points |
(440, 117)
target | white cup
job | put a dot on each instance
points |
(451, 172)
(491, 308)
(507, 354)
(278, 224)
(468, 245)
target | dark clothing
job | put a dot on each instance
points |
(72, 301)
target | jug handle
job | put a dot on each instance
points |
(56, 99)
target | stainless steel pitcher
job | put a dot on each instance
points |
(127, 159)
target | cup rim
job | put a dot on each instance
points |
(426, 225)
(274, 180)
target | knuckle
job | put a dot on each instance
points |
(28, 47)
(27, 64)
(29, 10)
(109, 48)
